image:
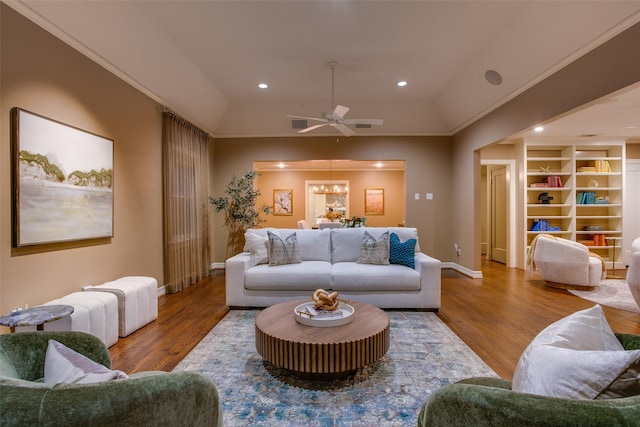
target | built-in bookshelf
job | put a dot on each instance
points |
(574, 191)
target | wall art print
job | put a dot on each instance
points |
(283, 201)
(373, 201)
(62, 182)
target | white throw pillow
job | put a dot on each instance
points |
(577, 357)
(258, 246)
(63, 365)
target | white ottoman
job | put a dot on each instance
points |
(96, 314)
(137, 301)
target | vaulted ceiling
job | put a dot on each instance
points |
(204, 59)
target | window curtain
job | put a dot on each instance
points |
(186, 202)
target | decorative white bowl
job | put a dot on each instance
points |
(323, 322)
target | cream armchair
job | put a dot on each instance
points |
(564, 263)
(633, 276)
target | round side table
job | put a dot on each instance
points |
(35, 316)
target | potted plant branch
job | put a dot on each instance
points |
(240, 210)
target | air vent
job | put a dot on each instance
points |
(363, 126)
(298, 124)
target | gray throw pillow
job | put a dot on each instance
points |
(374, 251)
(283, 251)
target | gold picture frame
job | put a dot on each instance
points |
(373, 201)
(283, 201)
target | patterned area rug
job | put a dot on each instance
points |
(424, 355)
(612, 293)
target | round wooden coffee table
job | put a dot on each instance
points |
(334, 351)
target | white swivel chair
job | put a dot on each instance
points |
(564, 263)
(633, 276)
(635, 246)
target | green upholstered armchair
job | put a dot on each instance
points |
(490, 402)
(145, 399)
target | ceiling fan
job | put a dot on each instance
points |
(335, 116)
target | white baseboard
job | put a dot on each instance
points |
(162, 290)
(464, 270)
(217, 266)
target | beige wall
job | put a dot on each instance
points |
(426, 170)
(41, 74)
(391, 181)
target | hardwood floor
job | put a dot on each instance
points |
(497, 316)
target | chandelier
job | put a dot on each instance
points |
(331, 189)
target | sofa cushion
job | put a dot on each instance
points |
(313, 245)
(577, 357)
(374, 250)
(352, 276)
(283, 251)
(402, 253)
(345, 244)
(309, 275)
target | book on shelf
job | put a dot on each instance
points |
(540, 185)
(543, 225)
(602, 166)
(554, 181)
(589, 198)
(586, 169)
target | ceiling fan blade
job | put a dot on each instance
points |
(346, 130)
(307, 118)
(339, 112)
(363, 121)
(310, 128)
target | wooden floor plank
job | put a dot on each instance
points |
(497, 316)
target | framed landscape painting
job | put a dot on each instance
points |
(62, 182)
(283, 202)
(373, 201)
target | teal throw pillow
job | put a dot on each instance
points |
(402, 252)
(283, 251)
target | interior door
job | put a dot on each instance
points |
(499, 206)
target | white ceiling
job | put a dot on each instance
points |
(204, 59)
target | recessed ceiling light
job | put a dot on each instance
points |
(401, 83)
(379, 164)
(538, 129)
(281, 165)
(263, 85)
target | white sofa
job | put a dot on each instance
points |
(329, 261)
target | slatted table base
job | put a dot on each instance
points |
(335, 351)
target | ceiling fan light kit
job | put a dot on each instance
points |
(334, 117)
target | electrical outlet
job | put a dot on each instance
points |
(458, 249)
(417, 196)
(429, 196)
